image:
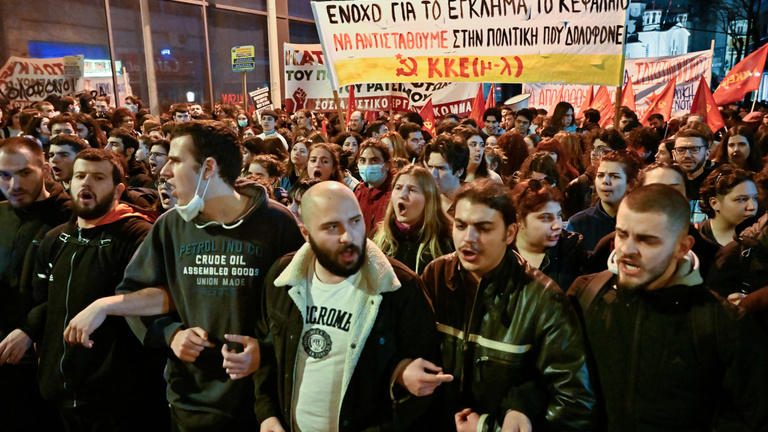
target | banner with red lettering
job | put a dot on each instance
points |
(502, 41)
(307, 86)
(648, 76)
(27, 80)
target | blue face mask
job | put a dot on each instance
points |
(242, 123)
(372, 174)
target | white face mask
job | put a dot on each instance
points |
(196, 204)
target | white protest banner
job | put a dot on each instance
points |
(648, 75)
(26, 80)
(307, 85)
(383, 41)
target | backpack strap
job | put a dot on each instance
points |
(586, 289)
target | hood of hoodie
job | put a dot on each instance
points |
(122, 211)
(55, 209)
(686, 274)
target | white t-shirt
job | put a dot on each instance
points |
(321, 354)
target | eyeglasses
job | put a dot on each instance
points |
(682, 151)
(156, 154)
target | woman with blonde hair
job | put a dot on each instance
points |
(415, 230)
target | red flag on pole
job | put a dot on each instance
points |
(351, 103)
(662, 104)
(491, 101)
(628, 96)
(604, 104)
(587, 103)
(743, 78)
(704, 105)
(427, 114)
(478, 107)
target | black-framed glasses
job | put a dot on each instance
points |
(682, 151)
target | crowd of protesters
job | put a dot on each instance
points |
(216, 269)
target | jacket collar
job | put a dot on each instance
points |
(686, 274)
(378, 276)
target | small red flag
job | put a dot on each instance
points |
(478, 107)
(628, 96)
(743, 78)
(427, 114)
(491, 101)
(662, 104)
(603, 103)
(704, 105)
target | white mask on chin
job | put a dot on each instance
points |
(196, 204)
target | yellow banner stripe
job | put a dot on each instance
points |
(555, 68)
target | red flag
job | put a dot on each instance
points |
(491, 101)
(351, 103)
(628, 96)
(371, 116)
(662, 104)
(704, 105)
(743, 78)
(603, 103)
(587, 103)
(427, 114)
(478, 107)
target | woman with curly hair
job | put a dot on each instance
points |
(415, 229)
(729, 197)
(540, 235)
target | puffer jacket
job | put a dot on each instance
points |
(514, 343)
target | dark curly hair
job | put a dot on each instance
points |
(720, 182)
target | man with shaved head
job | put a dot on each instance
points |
(353, 333)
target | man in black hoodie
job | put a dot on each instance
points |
(32, 210)
(206, 259)
(103, 387)
(667, 354)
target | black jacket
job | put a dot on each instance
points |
(403, 328)
(21, 231)
(75, 267)
(673, 359)
(408, 248)
(513, 343)
(565, 261)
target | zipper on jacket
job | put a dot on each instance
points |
(66, 319)
(467, 326)
(630, 400)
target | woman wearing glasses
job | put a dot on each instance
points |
(728, 197)
(541, 238)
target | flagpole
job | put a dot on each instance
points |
(339, 112)
(616, 118)
(754, 101)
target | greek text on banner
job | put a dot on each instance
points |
(566, 41)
